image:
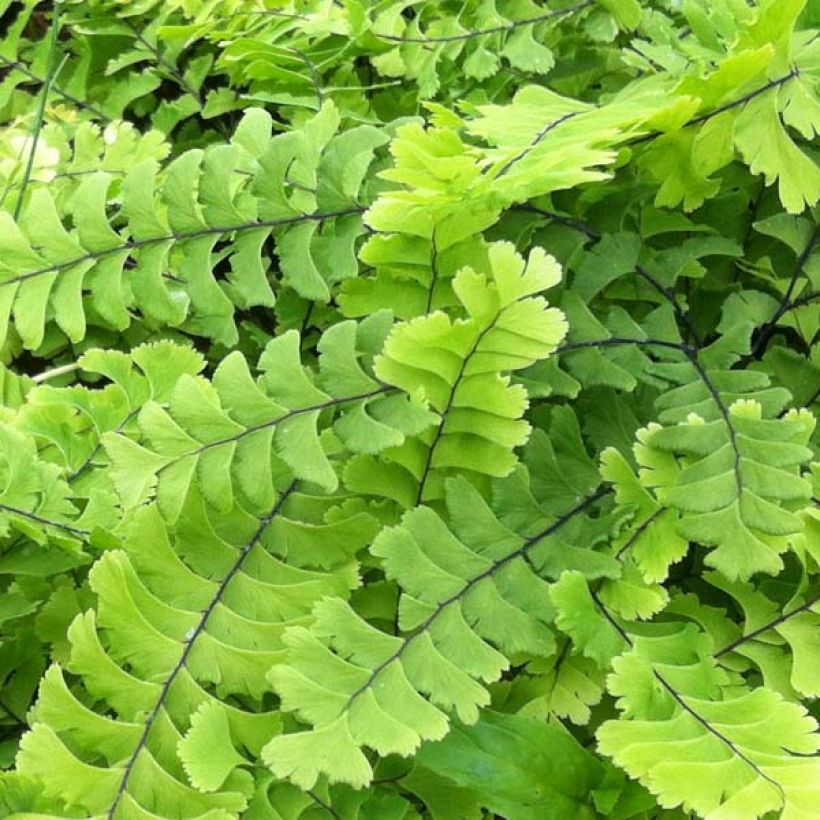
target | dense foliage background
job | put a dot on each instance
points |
(409, 409)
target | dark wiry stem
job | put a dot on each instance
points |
(724, 412)
(521, 552)
(617, 341)
(641, 270)
(278, 420)
(98, 446)
(701, 118)
(766, 627)
(468, 35)
(639, 531)
(767, 330)
(158, 56)
(434, 269)
(539, 137)
(46, 522)
(672, 299)
(561, 219)
(428, 464)
(802, 301)
(322, 804)
(135, 244)
(189, 645)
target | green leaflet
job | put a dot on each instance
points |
(767, 147)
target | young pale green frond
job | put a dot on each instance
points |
(412, 274)
(462, 367)
(646, 541)
(452, 190)
(696, 742)
(471, 598)
(186, 626)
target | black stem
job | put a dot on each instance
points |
(47, 522)
(521, 552)
(676, 306)
(766, 627)
(681, 701)
(322, 804)
(641, 270)
(767, 331)
(161, 60)
(134, 244)
(616, 341)
(284, 417)
(721, 108)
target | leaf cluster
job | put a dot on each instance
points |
(408, 409)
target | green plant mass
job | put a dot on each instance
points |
(408, 409)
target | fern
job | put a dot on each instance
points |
(736, 772)
(408, 410)
(217, 429)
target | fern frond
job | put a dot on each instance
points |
(695, 742)
(225, 433)
(470, 597)
(461, 367)
(173, 222)
(185, 619)
(313, 506)
(738, 482)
